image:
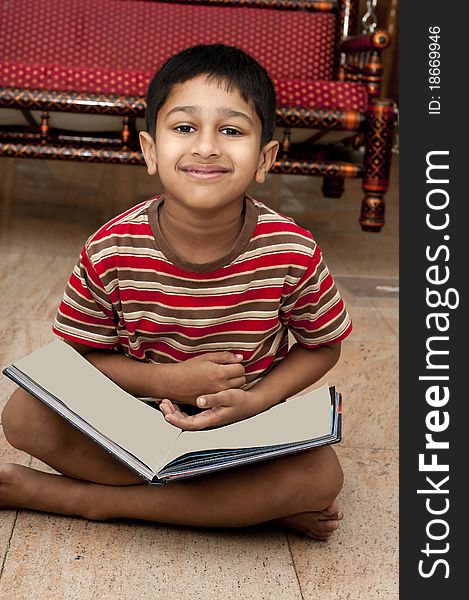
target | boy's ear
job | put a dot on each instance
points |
(266, 160)
(149, 152)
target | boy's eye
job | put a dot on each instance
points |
(184, 128)
(231, 131)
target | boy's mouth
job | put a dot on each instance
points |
(204, 171)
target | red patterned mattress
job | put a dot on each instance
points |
(115, 46)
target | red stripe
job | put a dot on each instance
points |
(124, 229)
(315, 297)
(75, 284)
(264, 228)
(183, 301)
(313, 324)
(329, 342)
(265, 362)
(90, 271)
(105, 230)
(160, 348)
(76, 315)
(135, 262)
(145, 326)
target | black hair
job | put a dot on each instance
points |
(228, 65)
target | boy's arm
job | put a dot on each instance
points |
(298, 370)
(208, 373)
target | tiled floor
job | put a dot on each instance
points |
(56, 206)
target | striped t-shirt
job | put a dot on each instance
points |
(130, 291)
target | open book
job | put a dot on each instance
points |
(138, 434)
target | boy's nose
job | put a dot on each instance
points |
(205, 145)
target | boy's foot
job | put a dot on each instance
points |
(6, 480)
(23, 487)
(317, 525)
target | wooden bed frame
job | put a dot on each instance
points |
(356, 61)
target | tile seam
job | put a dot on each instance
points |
(2, 567)
(294, 566)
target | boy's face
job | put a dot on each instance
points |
(207, 149)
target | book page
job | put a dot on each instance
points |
(298, 419)
(64, 373)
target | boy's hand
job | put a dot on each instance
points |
(206, 374)
(222, 408)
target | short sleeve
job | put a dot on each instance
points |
(85, 314)
(314, 311)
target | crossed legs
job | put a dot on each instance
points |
(297, 491)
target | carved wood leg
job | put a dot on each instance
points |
(333, 187)
(377, 162)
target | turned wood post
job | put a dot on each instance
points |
(44, 127)
(372, 70)
(286, 141)
(333, 186)
(377, 162)
(125, 132)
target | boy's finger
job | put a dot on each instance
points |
(225, 358)
(195, 422)
(167, 407)
(181, 420)
(164, 409)
(237, 382)
(213, 400)
(166, 402)
(233, 370)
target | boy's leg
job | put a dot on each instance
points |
(305, 483)
(34, 428)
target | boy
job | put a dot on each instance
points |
(188, 297)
